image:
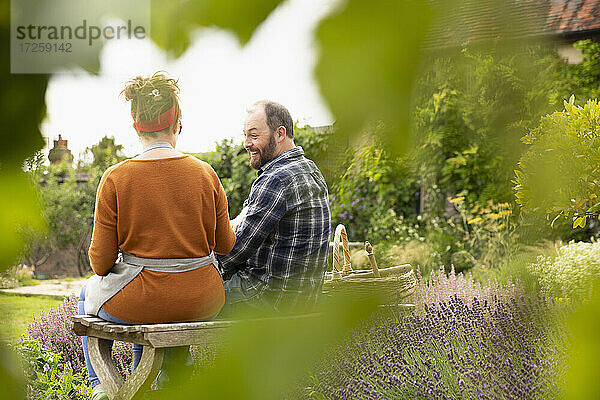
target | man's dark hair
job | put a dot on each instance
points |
(277, 115)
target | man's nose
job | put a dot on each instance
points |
(247, 143)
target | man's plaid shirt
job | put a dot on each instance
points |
(282, 244)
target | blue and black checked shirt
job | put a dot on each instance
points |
(282, 245)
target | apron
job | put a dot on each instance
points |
(100, 289)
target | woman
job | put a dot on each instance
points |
(159, 219)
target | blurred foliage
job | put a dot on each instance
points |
(11, 375)
(559, 174)
(367, 64)
(584, 351)
(265, 359)
(470, 114)
(173, 22)
(22, 107)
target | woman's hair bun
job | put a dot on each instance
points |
(151, 96)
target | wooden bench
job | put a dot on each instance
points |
(154, 338)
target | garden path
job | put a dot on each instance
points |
(52, 287)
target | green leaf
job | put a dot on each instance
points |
(241, 16)
(11, 375)
(173, 22)
(519, 174)
(18, 207)
(367, 66)
(579, 222)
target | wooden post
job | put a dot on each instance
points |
(369, 250)
(101, 359)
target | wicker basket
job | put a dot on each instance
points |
(388, 285)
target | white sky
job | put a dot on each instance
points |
(217, 77)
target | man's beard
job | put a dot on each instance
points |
(265, 155)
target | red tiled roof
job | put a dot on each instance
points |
(573, 16)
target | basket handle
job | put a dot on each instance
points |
(346, 267)
(369, 250)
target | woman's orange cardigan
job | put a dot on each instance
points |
(162, 208)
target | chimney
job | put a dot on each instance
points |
(60, 151)
(61, 142)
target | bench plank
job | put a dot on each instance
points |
(185, 326)
(131, 337)
(185, 337)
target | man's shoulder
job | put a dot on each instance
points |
(292, 168)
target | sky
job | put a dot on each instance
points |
(218, 79)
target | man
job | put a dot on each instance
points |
(280, 255)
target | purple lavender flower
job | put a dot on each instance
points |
(463, 341)
(53, 331)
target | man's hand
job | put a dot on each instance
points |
(239, 219)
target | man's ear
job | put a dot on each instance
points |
(281, 133)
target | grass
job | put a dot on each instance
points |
(17, 311)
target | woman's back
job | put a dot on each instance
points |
(162, 208)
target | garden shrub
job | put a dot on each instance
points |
(471, 234)
(67, 201)
(17, 275)
(469, 118)
(230, 162)
(48, 376)
(558, 173)
(373, 195)
(571, 273)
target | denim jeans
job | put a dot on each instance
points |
(174, 357)
(234, 292)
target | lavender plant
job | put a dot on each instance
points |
(506, 348)
(53, 331)
(440, 287)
